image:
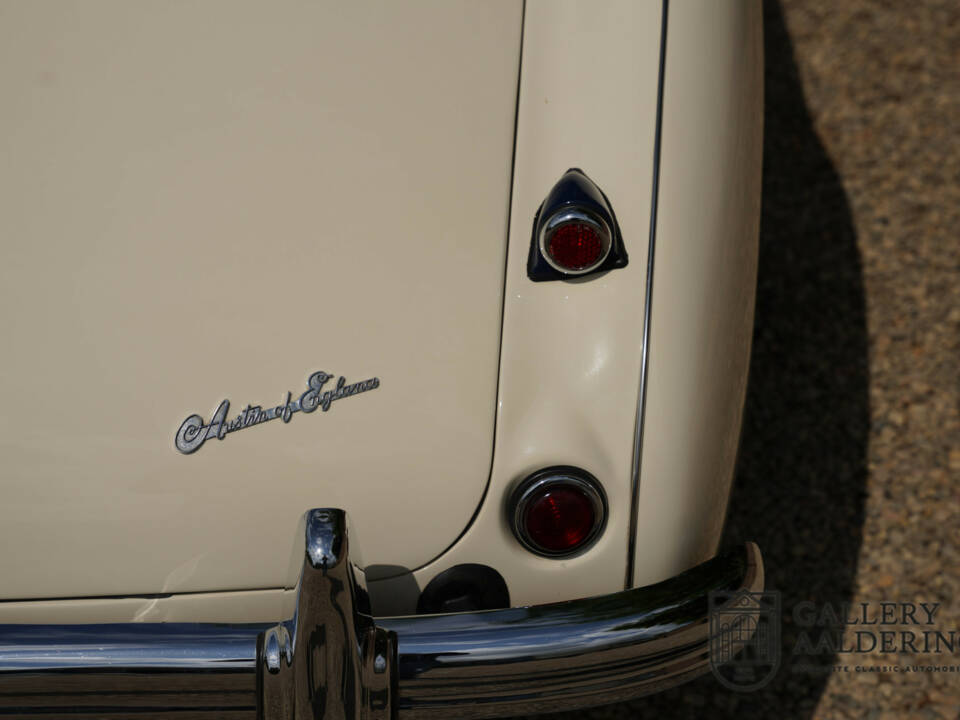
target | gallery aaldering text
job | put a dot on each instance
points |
(866, 627)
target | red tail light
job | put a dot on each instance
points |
(574, 241)
(575, 245)
(558, 512)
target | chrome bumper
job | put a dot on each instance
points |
(334, 661)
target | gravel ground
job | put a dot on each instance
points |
(849, 475)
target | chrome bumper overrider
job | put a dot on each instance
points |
(334, 661)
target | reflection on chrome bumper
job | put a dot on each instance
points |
(334, 661)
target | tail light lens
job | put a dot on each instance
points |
(558, 512)
(574, 241)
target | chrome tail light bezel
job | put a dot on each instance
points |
(557, 476)
(574, 214)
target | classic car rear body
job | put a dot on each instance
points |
(211, 203)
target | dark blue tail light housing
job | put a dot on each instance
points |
(575, 232)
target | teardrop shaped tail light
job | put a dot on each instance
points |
(575, 232)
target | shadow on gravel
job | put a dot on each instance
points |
(800, 485)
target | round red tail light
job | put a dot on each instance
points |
(558, 512)
(575, 242)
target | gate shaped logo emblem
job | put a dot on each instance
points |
(744, 638)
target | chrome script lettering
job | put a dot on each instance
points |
(194, 432)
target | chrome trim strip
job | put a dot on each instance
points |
(332, 661)
(647, 307)
(137, 669)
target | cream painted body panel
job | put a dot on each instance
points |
(570, 364)
(571, 350)
(212, 200)
(213, 607)
(571, 353)
(704, 281)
